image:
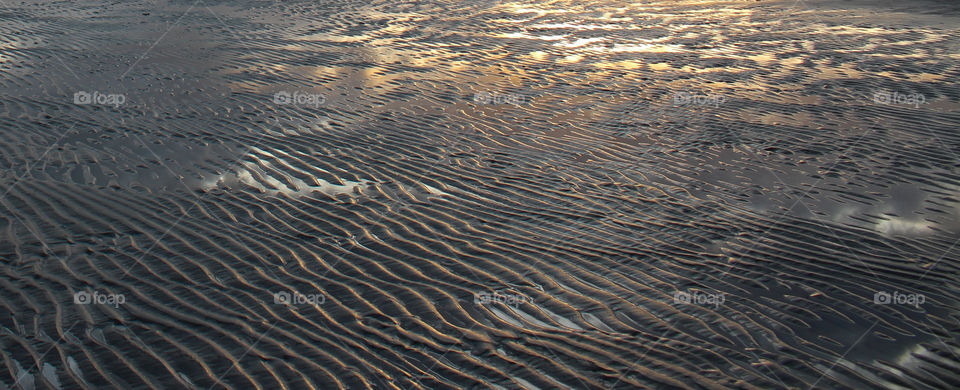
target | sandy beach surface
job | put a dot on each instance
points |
(560, 194)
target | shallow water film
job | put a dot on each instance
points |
(474, 194)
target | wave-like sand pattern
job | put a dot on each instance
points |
(490, 195)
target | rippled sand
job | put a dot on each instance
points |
(479, 194)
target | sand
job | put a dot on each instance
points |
(479, 194)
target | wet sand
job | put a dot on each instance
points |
(479, 194)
